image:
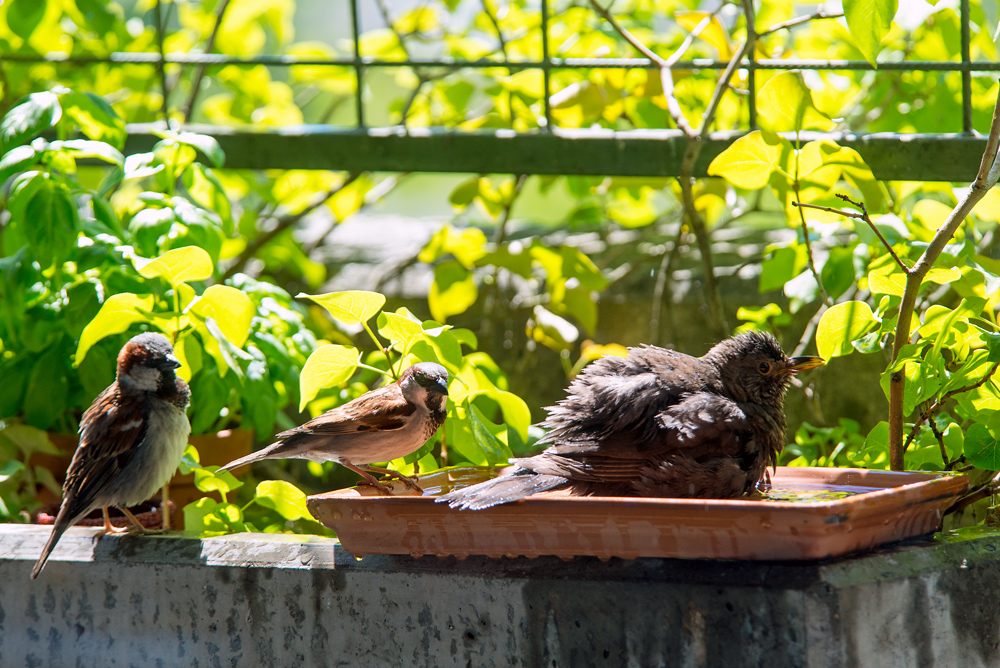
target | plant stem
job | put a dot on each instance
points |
(385, 351)
(209, 45)
(163, 62)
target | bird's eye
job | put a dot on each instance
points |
(764, 368)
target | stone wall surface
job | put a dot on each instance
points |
(260, 600)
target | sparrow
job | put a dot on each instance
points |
(659, 423)
(131, 439)
(384, 424)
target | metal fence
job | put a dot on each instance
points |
(548, 150)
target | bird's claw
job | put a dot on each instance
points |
(382, 487)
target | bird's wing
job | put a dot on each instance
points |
(702, 424)
(383, 409)
(113, 429)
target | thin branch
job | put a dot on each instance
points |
(933, 408)
(809, 253)
(209, 46)
(376, 193)
(858, 216)
(496, 26)
(975, 495)
(162, 67)
(283, 224)
(791, 23)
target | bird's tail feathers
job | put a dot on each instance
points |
(58, 529)
(277, 449)
(506, 488)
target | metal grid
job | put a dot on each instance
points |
(387, 150)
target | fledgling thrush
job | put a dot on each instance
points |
(659, 423)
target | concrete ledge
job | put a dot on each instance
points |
(289, 600)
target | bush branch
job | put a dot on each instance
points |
(858, 216)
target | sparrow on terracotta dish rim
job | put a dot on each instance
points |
(387, 423)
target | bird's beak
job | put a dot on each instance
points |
(171, 362)
(442, 386)
(805, 363)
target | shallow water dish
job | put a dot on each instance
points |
(873, 508)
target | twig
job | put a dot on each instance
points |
(989, 171)
(808, 244)
(496, 26)
(209, 45)
(162, 66)
(978, 494)
(377, 192)
(283, 224)
(791, 23)
(927, 414)
(858, 216)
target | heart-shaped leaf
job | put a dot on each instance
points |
(352, 307)
(117, 314)
(179, 265)
(328, 366)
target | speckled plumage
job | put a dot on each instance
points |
(384, 424)
(660, 423)
(131, 437)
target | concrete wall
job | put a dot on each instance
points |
(293, 601)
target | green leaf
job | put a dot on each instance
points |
(177, 266)
(207, 145)
(37, 113)
(467, 245)
(943, 275)
(328, 366)
(400, 330)
(840, 326)
(869, 22)
(212, 480)
(28, 440)
(85, 148)
(749, 161)
(494, 450)
(779, 268)
(23, 16)
(51, 222)
(887, 279)
(117, 314)
(96, 118)
(10, 469)
(16, 160)
(452, 292)
(353, 307)
(48, 387)
(786, 104)
(284, 498)
(232, 310)
(982, 447)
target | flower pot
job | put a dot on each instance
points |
(875, 507)
(215, 450)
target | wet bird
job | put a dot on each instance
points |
(659, 423)
(131, 439)
(384, 424)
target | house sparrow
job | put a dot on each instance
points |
(660, 423)
(131, 438)
(389, 422)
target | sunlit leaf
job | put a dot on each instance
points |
(328, 366)
(982, 447)
(869, 22)
(178, 266)
(284, 498)
(352, 307)
(452, 292)
(840, 325)
(749, 161)
(232, 309)
(117, 314)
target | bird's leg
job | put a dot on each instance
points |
(406, 480)
(165, 506)
(110, 528)
(369, 479)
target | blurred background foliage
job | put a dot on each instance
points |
(537, 275)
